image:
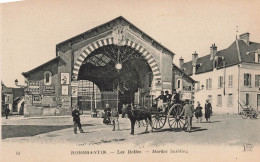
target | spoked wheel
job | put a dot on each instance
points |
(175, 119)
(244, 114)
(158, 121)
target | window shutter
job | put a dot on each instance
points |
(249, 79)
(218, 82)
(245, 80)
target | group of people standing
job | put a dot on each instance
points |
(188, 111)
(208, 111)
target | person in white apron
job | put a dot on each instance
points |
(161, 101)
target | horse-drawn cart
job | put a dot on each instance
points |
(171, 113)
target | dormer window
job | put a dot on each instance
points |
(257, 56)
(47, 78)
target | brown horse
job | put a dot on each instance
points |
(137, 114)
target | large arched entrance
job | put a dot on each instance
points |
(120, 75)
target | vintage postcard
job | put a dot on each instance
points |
(115, 80)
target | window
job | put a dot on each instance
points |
(259, 58)
(247, 80)
(247, 98)
(178, 83)
(219, 100)
(220, 82)
(230, 80)
(230, 100)
(257, 80)
(8, 99)
(208, 83)
(47, 78)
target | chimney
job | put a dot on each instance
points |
(194, 58)
(181, 62)
(213, 51)
(16, 82)
(245, 37)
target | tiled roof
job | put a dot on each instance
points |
(50, 61)
(230, 54)
(65, 45)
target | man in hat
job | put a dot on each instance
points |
(161, 100)
(7, 111)
(76, 119)
(176, 97)
(107, 111)
(168, 96)
(188, 114)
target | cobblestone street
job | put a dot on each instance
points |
(230, 136)
(223, 129)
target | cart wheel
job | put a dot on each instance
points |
(175, 119)
(244, 114)
(158, 121)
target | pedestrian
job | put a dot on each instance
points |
(107, 111)
(7, 111)
(114, 118)
(188, 114)
(76, 119)
(198, 113)
(208, 110)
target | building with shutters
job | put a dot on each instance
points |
(227, 77)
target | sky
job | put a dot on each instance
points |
(30, 30)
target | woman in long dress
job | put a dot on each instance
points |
(208, 111)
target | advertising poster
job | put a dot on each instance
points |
(65, 78)
(65, 90)
(74, 91)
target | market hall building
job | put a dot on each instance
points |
(114, 63)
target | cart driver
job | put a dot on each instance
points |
(161, 100)
(176, 97)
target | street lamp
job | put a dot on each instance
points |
(118, 66)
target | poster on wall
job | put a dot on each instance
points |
(65, 90)
(64, 79)
(37, 99)
(48, 90)
(28, 99)
(74, 92)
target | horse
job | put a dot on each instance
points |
(137, 115)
